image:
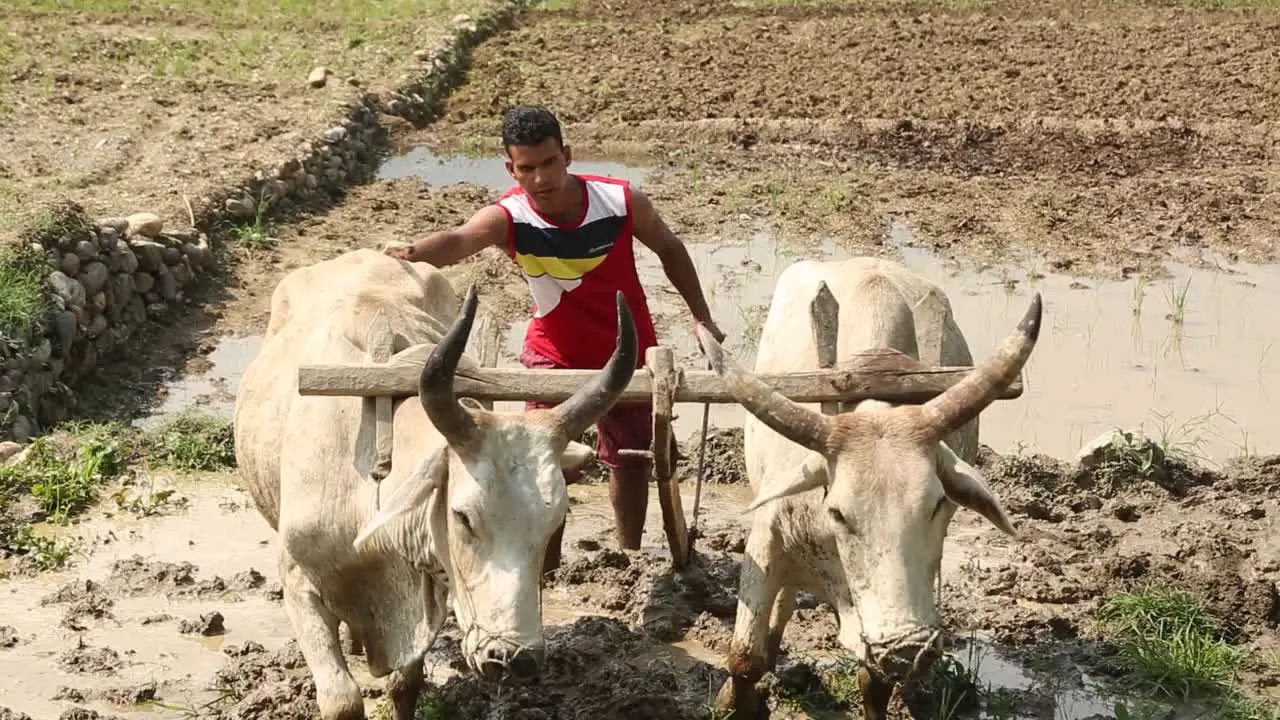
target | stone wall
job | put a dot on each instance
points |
(106, 278)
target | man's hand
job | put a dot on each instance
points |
(714, 329)
(398, 250)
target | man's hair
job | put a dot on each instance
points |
(529, 125)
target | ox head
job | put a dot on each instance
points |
(505, 497)
(890, 486)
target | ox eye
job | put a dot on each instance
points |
(840, 519)
(461, 518)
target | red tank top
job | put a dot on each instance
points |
(574, 272)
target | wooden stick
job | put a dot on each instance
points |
(661, 364)
(824, 311)
(379, 342)
(847, 382)
(486, 336)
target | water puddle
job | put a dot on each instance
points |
(487, 171)
(214, 391)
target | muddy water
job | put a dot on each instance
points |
(213, 391)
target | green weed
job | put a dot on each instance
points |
(191, 441)
(22, 299)
(1171, 643)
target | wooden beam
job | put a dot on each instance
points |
(824, 312)
(485, 345)
(379, 342)
(660, 362)
(849, 381)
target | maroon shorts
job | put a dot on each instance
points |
(627, 426)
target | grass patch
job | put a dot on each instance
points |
(62, 474)
(58, 477)
(22, 300)
(192, 442)
(1171, 644)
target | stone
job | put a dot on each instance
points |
(67, 288)
(318, 77)
(69, 264)
(335, 134)
(121, 289)
(87, 250)
(243, 207)
(97, 326)
(1107, 447)
(8, 449)
(22, 430)
(422, 55)
(108, 238)
(150, 254)
(171, 256)
(119, 224)
(43, 351)
(156, 309)
(99, 301)
(166, 284)
(64, 331)
(128, 260)
(143, 282)
(145, 224)
(94, 277)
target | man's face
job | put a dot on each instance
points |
(542, 170)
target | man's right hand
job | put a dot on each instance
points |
(398, 250)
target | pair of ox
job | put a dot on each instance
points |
(473, 496)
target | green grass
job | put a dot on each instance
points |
(22, 300)
(191, 442)
(1171, 644)
(64, 473)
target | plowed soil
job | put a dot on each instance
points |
(1104, 137)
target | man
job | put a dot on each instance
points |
(572, 237)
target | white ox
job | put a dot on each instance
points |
(855, 507)
(466, 511)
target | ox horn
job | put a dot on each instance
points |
(963, 401)
(797, 424)
(435, 385)
(594, 398)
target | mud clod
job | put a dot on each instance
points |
(724, 463)
(208, 624)
(9, 638)
(84, 659)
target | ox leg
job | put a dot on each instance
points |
(875, 696)
(355, 646)
(782, 609)
(316, 628)
(757, 592)
(403, 688)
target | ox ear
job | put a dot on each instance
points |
(576, 455)
(963, 483)
(813, 473)
(412, 495)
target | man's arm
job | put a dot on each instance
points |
(649, 228)
(446, 247)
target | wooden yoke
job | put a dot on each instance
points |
(379, 342)
(486, 335)
(666, 381)
(824, 311)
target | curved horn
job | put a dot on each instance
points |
(963, 401)
(595, 398)
(435, 385)
(797, 424)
